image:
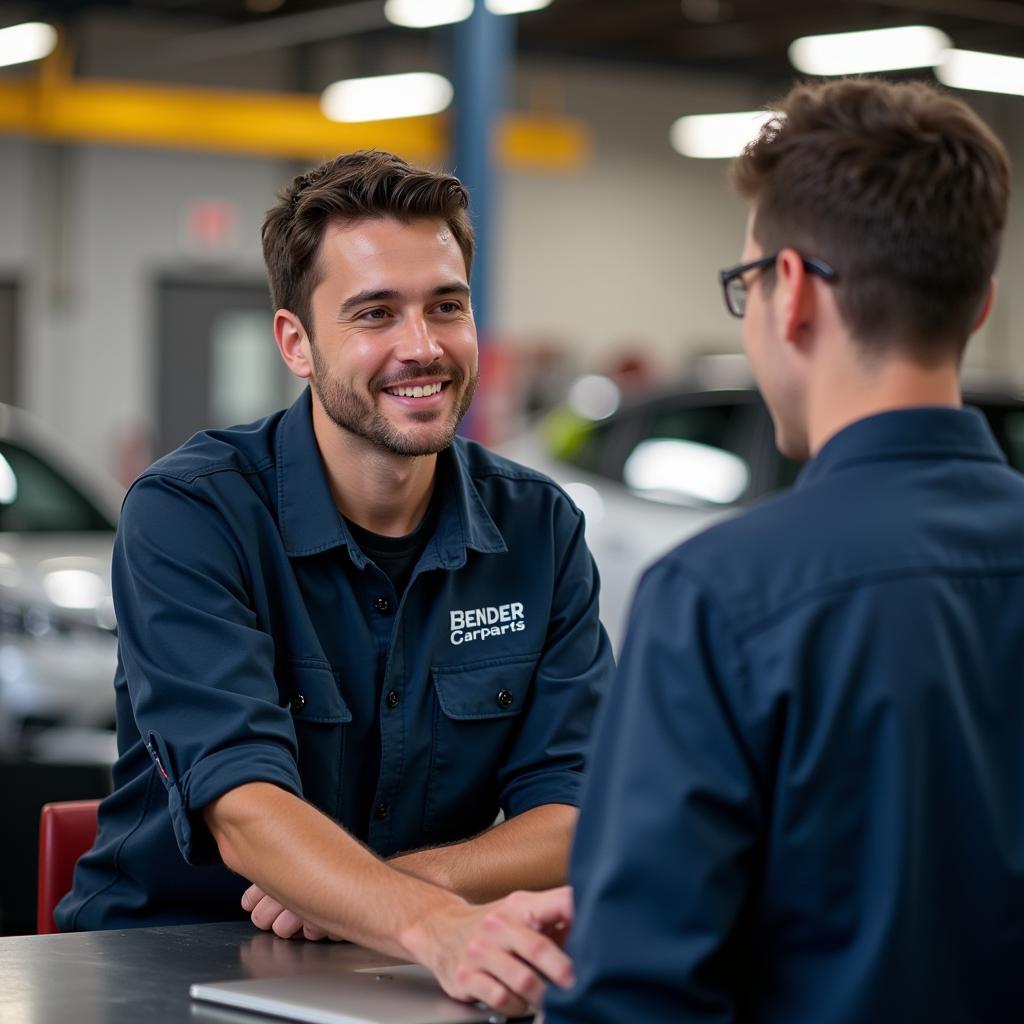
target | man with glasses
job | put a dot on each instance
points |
(805, 803)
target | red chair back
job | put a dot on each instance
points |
(66, 831)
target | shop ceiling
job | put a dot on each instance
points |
(164, 95)
(747, 37)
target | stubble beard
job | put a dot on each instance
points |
(355, 412)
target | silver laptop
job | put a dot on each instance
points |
(372, 995)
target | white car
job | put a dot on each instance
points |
(57, 632)
(652, 472)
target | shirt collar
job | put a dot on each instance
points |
(926, 432)
(309, 520)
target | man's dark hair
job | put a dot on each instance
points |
(901, 188)
(369, 184)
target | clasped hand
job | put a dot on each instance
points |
(502, 953)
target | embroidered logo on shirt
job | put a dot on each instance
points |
(468, 624)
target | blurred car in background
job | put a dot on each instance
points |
(57, 630)
(650, 472)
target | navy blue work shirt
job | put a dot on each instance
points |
(258, 643)
(806, 804)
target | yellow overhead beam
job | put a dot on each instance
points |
(268, 124)
(542, 142)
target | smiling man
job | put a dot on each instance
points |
(302, 701)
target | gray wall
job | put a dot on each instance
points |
(626, 251)
(99, 224)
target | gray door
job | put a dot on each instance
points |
(217, 364)
(8, 342)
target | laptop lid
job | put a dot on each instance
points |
(377, 995)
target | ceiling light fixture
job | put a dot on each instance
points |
(882, 49)
(983, 72)
(384, 97)
(31, 40)
(717, 136)
(426, 13)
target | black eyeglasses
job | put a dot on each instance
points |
(734, 286)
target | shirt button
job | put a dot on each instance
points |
(382, 604)
(392, 699)
(381, 812)
(505, 699)
(298, 702)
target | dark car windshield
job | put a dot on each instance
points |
(35, 498)
(1007, 423)
(715, 434)
(1005, 417)
(692, 449)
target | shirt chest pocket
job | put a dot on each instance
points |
(478, 713)
(320, 716)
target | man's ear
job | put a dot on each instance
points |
(794, 295)
(986, 306)
(293, 343)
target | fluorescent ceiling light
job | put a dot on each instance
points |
(386, 96)
(515, 6)
(717, 136)
(984, 72)
(32, 40)
(882, 49)
(426, 13)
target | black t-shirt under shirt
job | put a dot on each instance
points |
(397, 556)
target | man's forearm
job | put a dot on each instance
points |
(342, 887)
(498, 953)
(530, 851)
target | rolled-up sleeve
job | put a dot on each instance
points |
(663, 860)
(547, 758)
(198, 667)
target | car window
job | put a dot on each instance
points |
(787, 472)
(35, 498)
(1007, 423)
(675, 450)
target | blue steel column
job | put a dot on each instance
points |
(484, 53)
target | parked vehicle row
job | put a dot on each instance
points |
(660, 468)
(647, 474)
(57, 630)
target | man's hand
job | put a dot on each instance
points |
(269, 915)
(502, 953)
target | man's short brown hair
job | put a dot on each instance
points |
(368, 184)
(901, 188)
